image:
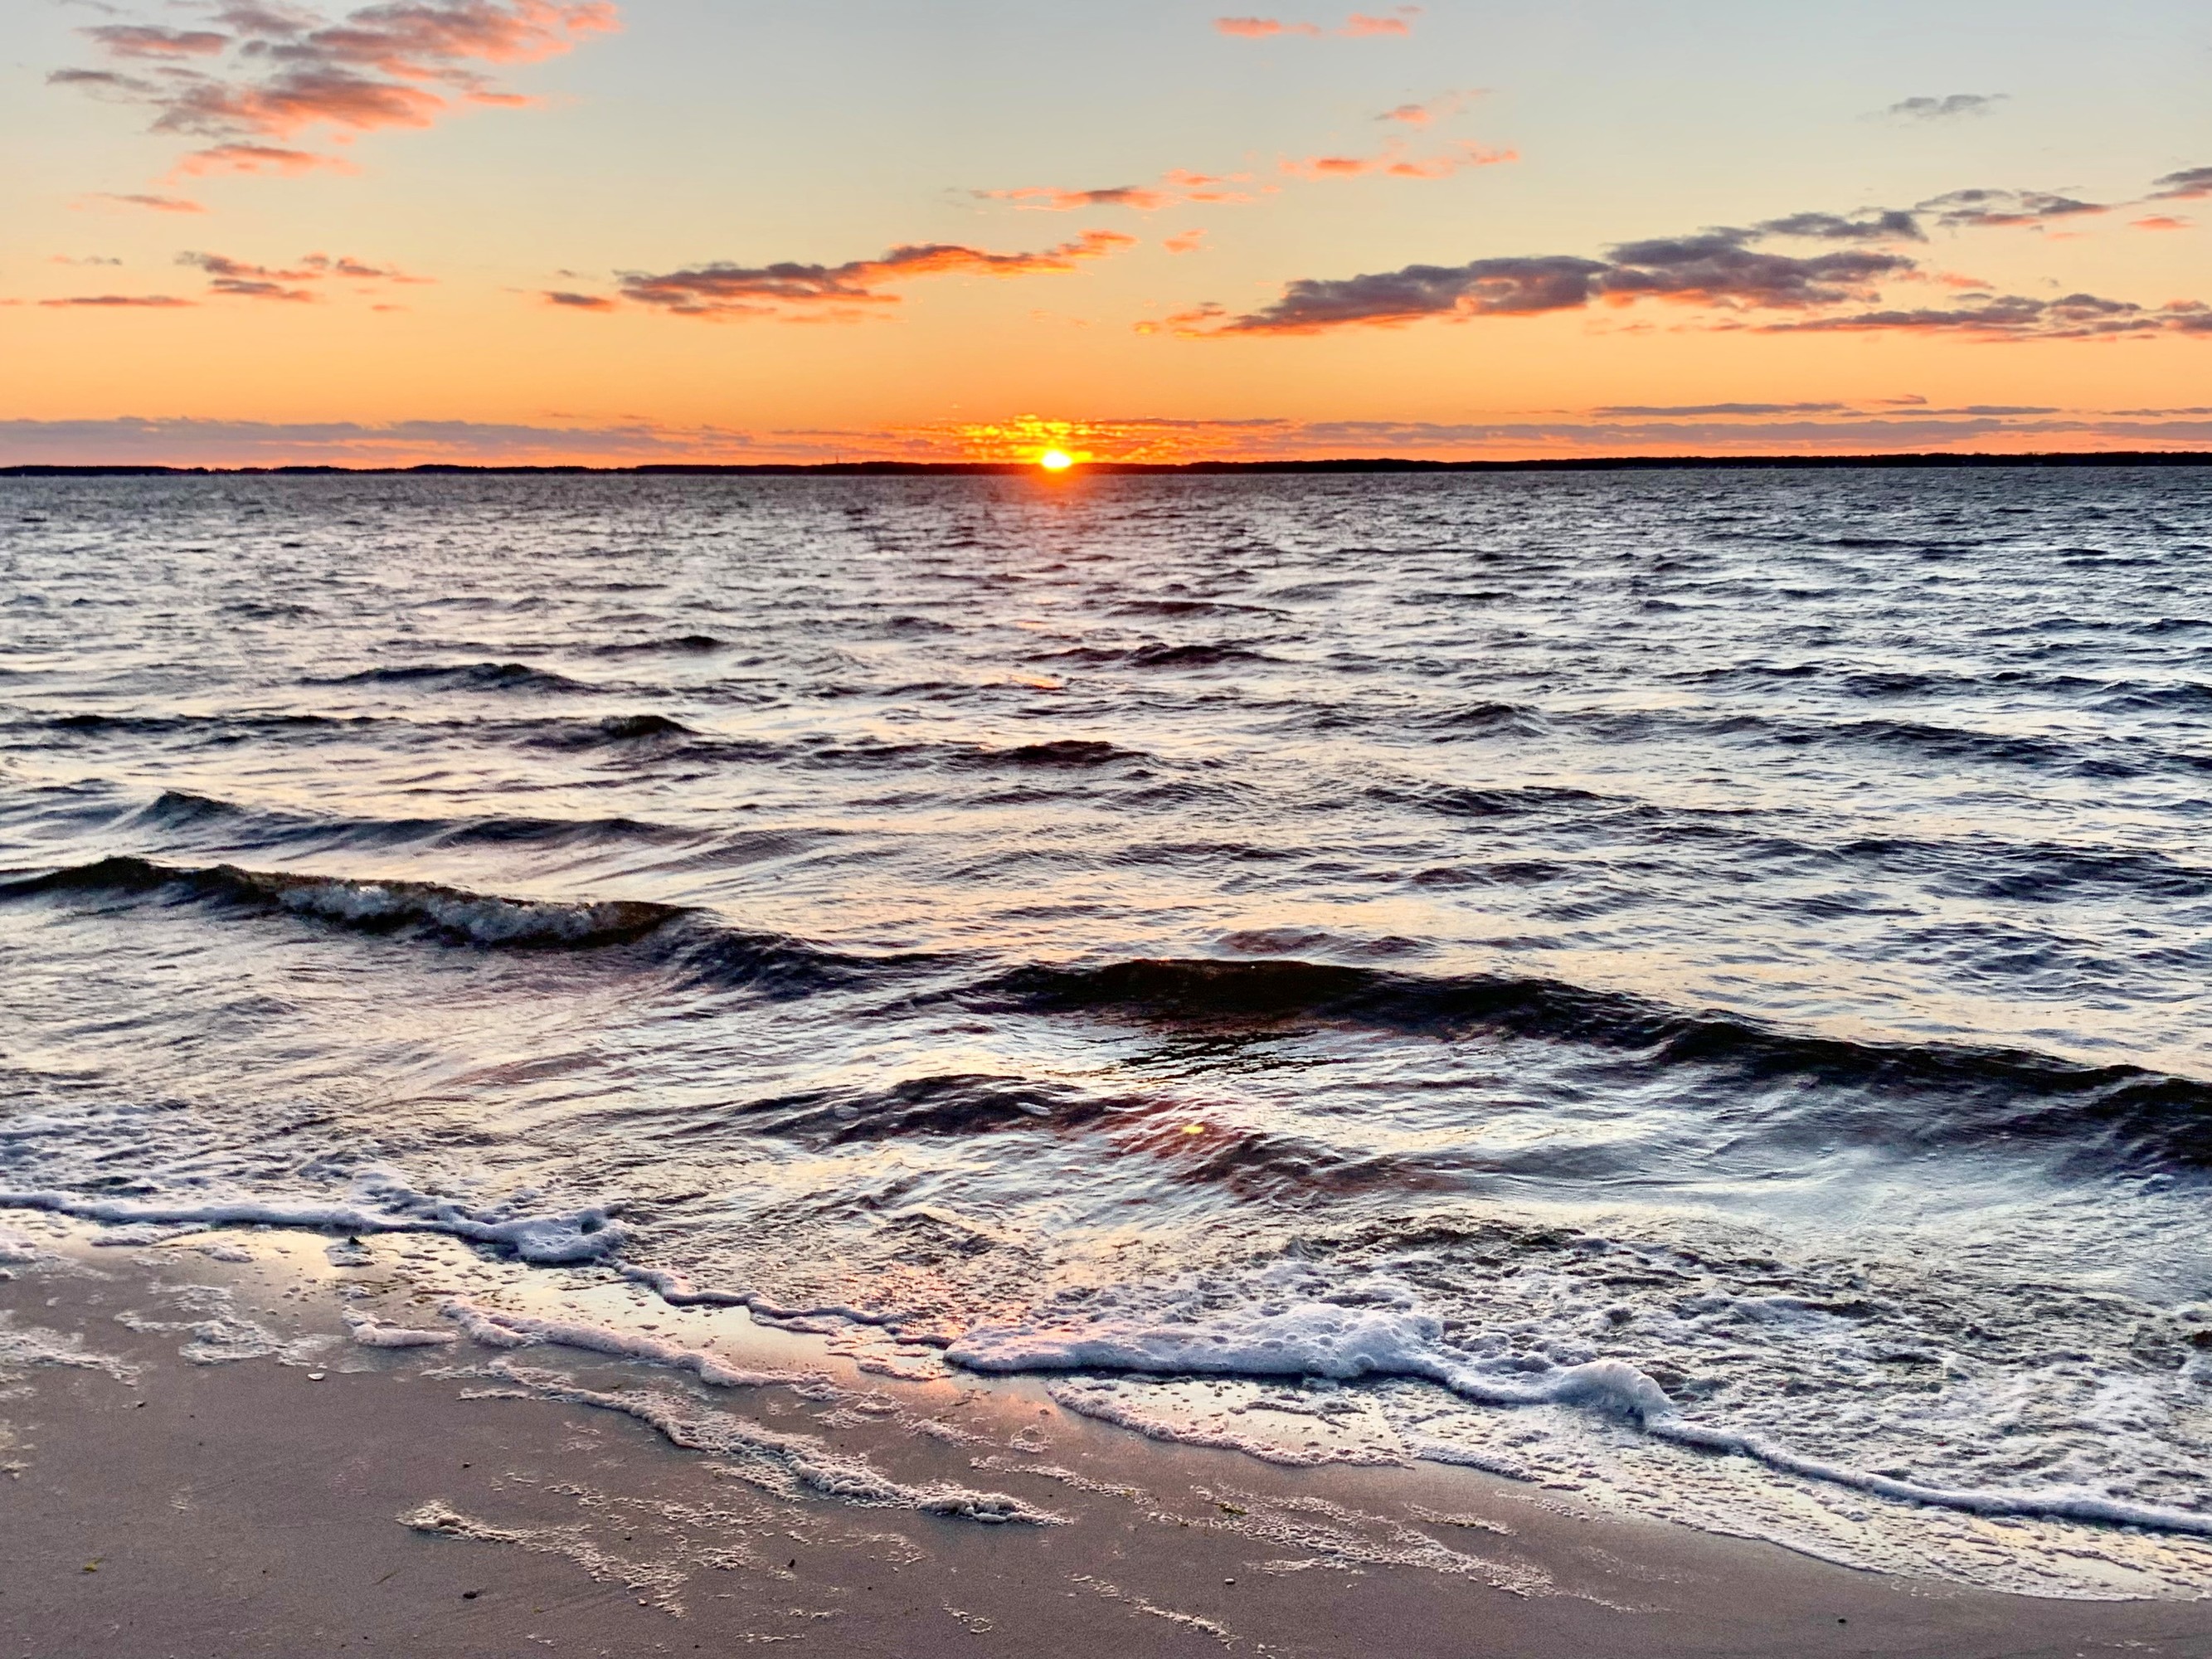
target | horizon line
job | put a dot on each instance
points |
(1931, 460)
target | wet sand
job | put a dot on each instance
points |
(201, 1460)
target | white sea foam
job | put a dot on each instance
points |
(380, 1203)
(1384, 1334)
(374, 1333)
(1378, 1330)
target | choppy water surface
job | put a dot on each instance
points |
(1691, 988)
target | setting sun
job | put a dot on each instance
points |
(1055, 460)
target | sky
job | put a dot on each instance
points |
(255, 231)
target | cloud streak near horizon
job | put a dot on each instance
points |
(1718, 429)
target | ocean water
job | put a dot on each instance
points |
(1690, 989)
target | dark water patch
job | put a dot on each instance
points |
(616, 729)
(1184, 608)
(1218, 653)
(691, 645)
(949, 1104)
(1503, 801)
(225, 728)
(1082, 752)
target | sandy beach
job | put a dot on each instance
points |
(222, 1443)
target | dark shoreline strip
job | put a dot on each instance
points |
(1154, 469)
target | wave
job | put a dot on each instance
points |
(464, 677)
(1924, 1093)
(698, 948)
(225, 728)
(614, 729)
(184, 810)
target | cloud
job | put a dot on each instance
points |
(1732, 274)
(1985, 210)
(1948, 108)
(1177, 187)
(1869, 225)
(1190, 241)
(2012, 317)
(120, 302)
(577, 301)
(1436, 109)
(1358, 25)
(1053, 200)
(1395, 162)
(1618, 410)
(255, 158)
(88, 259)
(2159, 222)
(396, 63)
(1718, 268)
(791, 289)
(1481, 288)
(2191, 184)
(187, 442)
(1259, 28)
(235, 279)
(147, 42)
(151, 203)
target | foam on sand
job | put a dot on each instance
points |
(497, 1329)
(1378, 1331)
(791, 1465)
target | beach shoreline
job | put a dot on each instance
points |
(269, 1442)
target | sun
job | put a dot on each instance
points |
(1055, 460)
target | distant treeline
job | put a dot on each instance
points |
(1147, 469)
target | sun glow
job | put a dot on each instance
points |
(1055, 460)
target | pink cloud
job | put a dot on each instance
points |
(255, 158)
(122, 301)
(1436, 109)
(2160, 222)
(397, 64)
(151, 203)
(1358, 25)
(1394, 163)
(1190, 241)
(565, 300)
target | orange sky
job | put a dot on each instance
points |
(570, 230)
